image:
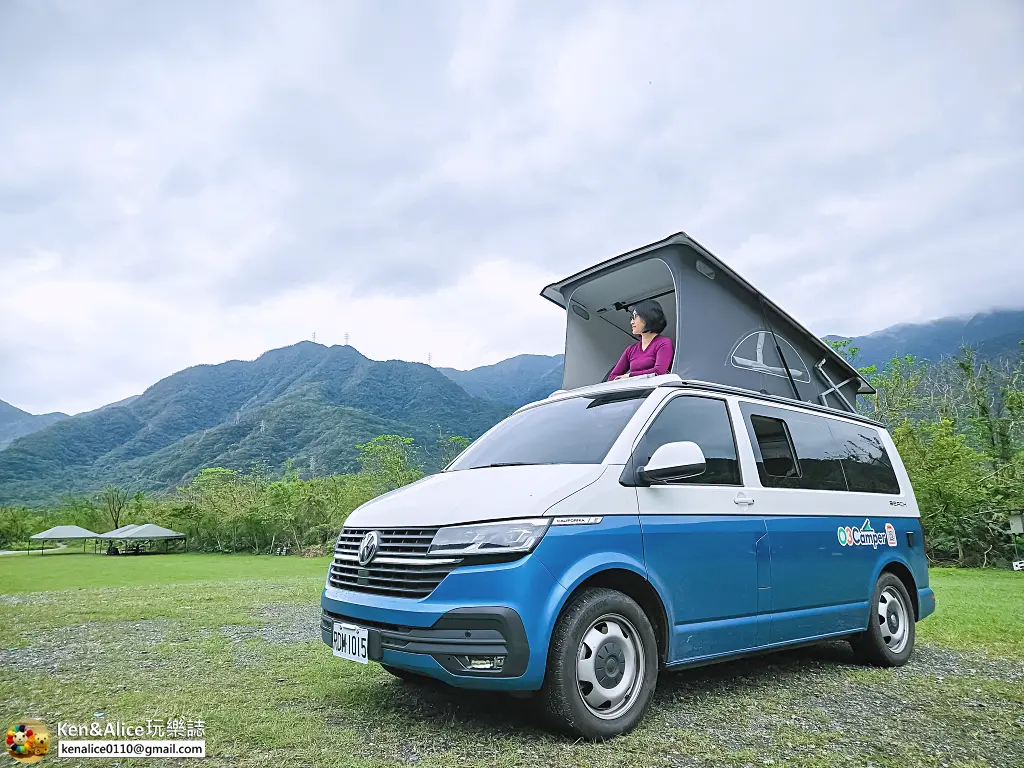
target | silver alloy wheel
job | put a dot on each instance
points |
(892, 620)
(610, 666)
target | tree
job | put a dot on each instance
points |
(993, 400)
(450, 447)
(16, 525)
(898, 390)
(115, 501)
(389, 461)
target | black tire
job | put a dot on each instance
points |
(630, 664)
(889, 638)
(411, 677)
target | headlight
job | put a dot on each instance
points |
(509, 537)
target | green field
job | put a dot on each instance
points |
(233, 640)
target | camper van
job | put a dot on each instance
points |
(617, 531)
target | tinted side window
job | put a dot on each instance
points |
(817, 453)
(864, 458)
(777, 463)
(816, 464)
(703, 420)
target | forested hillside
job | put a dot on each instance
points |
(306, 402)
(519, 380)
(15, 423)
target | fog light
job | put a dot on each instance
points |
(486, 662)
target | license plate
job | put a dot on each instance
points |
(351, 642)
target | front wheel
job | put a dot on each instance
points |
(889, 639)
(602, 666)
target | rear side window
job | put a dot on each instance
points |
(704, 421)
(796, 450)
(864, 458)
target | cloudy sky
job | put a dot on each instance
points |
(186, 183)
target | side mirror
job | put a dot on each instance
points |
(673, 461)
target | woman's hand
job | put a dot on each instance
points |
(623, 376)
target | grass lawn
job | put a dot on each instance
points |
(233, 640)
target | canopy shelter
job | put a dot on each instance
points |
(114, 535)
(139, 539)
(723, 329)
(63, 533)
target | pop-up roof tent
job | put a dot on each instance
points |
(723, 329)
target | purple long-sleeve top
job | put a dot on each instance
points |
(657, 358)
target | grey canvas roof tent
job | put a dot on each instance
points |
(723, 329)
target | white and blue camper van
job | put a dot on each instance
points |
(613, 532)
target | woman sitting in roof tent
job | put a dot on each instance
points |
(653, 353)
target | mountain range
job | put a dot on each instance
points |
(992, 334)
(306, 402)
(315, 404)
(519, 380)
(15, 423)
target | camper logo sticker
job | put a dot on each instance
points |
(866, 536)
(27, 741)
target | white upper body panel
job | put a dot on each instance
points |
(502, 493)
(475, 495)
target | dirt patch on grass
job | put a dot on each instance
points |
(88, 646)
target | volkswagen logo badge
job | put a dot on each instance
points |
(368, 547)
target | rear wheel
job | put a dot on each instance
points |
(602, 666)
(889, 639)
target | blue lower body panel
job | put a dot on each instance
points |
(525, 589)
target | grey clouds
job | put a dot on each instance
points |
(192, 182)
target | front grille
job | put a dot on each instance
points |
(399, 569)
(394, 542)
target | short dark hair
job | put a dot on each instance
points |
(652, 314)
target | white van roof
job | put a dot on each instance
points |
(651, 382)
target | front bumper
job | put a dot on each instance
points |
(481, 610)
(451, 640)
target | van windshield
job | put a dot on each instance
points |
(578, 430)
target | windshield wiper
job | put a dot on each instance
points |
(506, 464)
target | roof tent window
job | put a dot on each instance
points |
(598, 325)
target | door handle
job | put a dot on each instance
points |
(743, 501)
